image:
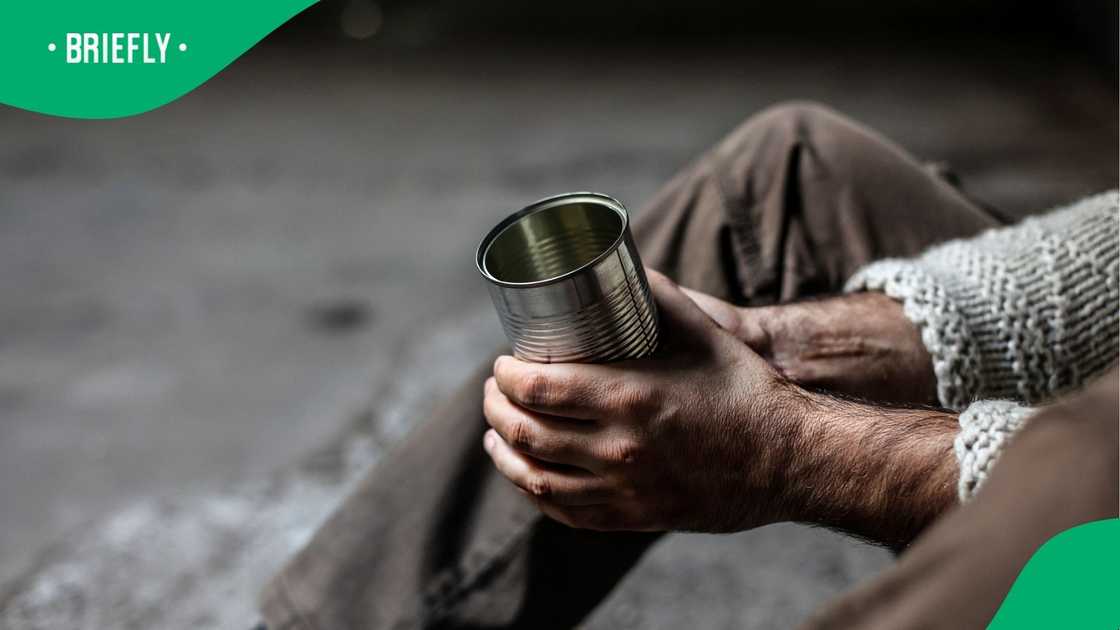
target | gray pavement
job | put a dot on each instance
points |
(215, 316)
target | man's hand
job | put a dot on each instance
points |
(860, 344)
(689, 439)
(706, 436)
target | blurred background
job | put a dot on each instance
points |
(214, 317)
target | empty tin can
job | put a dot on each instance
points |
(567, 282)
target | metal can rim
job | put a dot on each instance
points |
(537, 206)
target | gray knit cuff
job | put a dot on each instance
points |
(1026, 312)
(986, 428)
(944, 329)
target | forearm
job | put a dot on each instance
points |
(1024, 313)
(1061, 471)
(880, 473)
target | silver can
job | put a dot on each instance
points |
(567, 282)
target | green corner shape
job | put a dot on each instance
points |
(1072, 581)
(43, 70)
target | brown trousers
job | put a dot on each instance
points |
(788, 206)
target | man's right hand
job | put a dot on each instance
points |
(705, 436)
(859, 344)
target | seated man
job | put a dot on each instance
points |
(874, 412)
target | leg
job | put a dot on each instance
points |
(435, 538)
(788, 205)
(792, 203)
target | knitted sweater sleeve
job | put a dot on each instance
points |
(1018, 315)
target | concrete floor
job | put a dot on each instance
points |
(214, 316)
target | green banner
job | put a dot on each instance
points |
(87, 59)
(1072, 581)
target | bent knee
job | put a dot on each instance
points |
(795, 113)
(762, 144)
(792, 119)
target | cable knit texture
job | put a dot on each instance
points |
(986, 426)
(1021, 314)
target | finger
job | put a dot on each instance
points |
(548, 438)
(749, 325)
(568, 390)
(754, 328)
(674, 303)
(724, 314)
(679, 314)
(568, 487)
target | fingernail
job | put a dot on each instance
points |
(488, 441)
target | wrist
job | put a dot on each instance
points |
(792, 451)
(880, 473)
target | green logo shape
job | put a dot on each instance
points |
(86, 59)
(1072, 581)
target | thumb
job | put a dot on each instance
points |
(725, 314)
(746, 324)
(677, 310)
(685, 326)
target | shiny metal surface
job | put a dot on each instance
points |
(567, 282)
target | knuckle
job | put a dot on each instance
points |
(625, 451)
(539, 487)
(618, 395)
(522, 436)
(632, 399)
(534, 389)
